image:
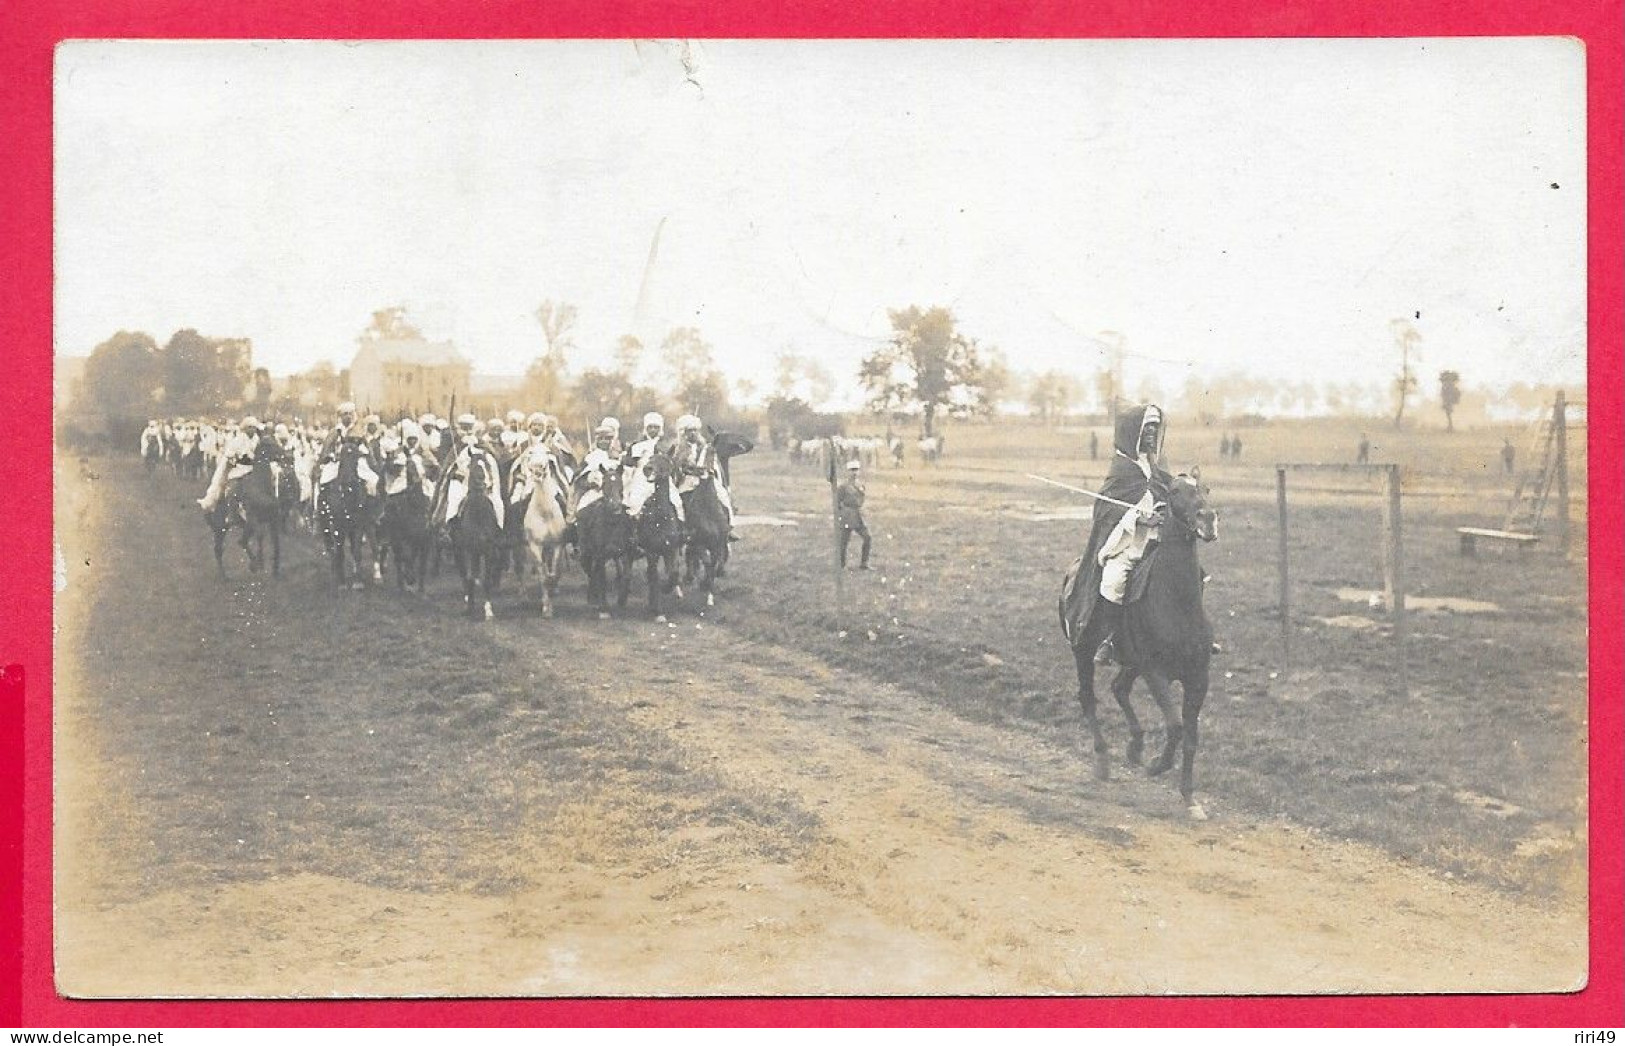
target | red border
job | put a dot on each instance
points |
(28, 34)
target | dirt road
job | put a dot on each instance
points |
(287, 790)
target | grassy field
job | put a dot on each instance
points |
(1478, 768)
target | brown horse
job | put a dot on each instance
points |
(659, 535)
(1164, 638)
(477, 539)
(604, 536)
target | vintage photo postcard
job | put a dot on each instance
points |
(631, 518)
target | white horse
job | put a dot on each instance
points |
(544, 523)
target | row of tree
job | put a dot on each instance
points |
(131, 377)
(925, 369)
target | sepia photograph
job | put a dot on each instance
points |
(783, 518)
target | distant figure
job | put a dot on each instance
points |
(1508, 457)
(1235, 447)
(1364, 457)
(1224, 446)
(1094, 445)
(849, 498)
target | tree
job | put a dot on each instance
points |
(1406, 337)
(925, 363)
(802, 377)
(995, 382)
(1051, 395)
(628, 355)
(685, 358)
(1449, 397)
(204, 375)
(558, 320)
(705, 394)
(124, 375)
(390, 325)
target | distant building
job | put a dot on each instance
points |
(395, 377)
(496, 394)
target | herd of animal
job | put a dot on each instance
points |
(391, 526)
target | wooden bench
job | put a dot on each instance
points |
(1470, 536)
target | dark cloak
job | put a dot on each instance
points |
(1080, 591)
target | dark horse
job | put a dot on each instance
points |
(477, 539)
(1165, 638)
(707, 548)
(404, 529)
(345, 513)
(258, 507)
(659, 535)
(604, 535)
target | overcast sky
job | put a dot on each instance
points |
(1263, 206)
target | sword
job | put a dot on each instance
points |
(1087, 493)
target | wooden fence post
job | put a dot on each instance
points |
(1286, 609)
(1393, 568)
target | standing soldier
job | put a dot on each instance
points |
(849, 498)
(1094, 445)
(1364, 457)
(1508, 456)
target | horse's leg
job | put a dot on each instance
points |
(220, 551)
(672, 585)
(491, 561)
(1194, 685)
(1160, 689)
(1084, 661)
(652, 574)
(623, 581)
(276, 547)
(551, 556)
(1122, 686)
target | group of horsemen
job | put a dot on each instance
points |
(1126, 522)
(507, 453)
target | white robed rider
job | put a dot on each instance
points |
(472, 452)
(601, 460)
(696, 459)
(236, 461)
(327, 459)
(639, 484)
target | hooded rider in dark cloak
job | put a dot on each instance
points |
(1119, 538)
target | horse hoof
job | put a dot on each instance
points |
(1195, 812)
(710, 599)
(1103, 770)
(547, 613)
(678, 591)
(488, 614)
(660, 619)
(357, 585)
(603, 615)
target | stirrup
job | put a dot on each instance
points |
(1107, 654)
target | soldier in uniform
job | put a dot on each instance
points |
(849, 497)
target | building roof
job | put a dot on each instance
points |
(417, 353)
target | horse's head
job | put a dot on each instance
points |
(349, 453)
(1187, 503)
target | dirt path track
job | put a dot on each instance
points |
(913, 852)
